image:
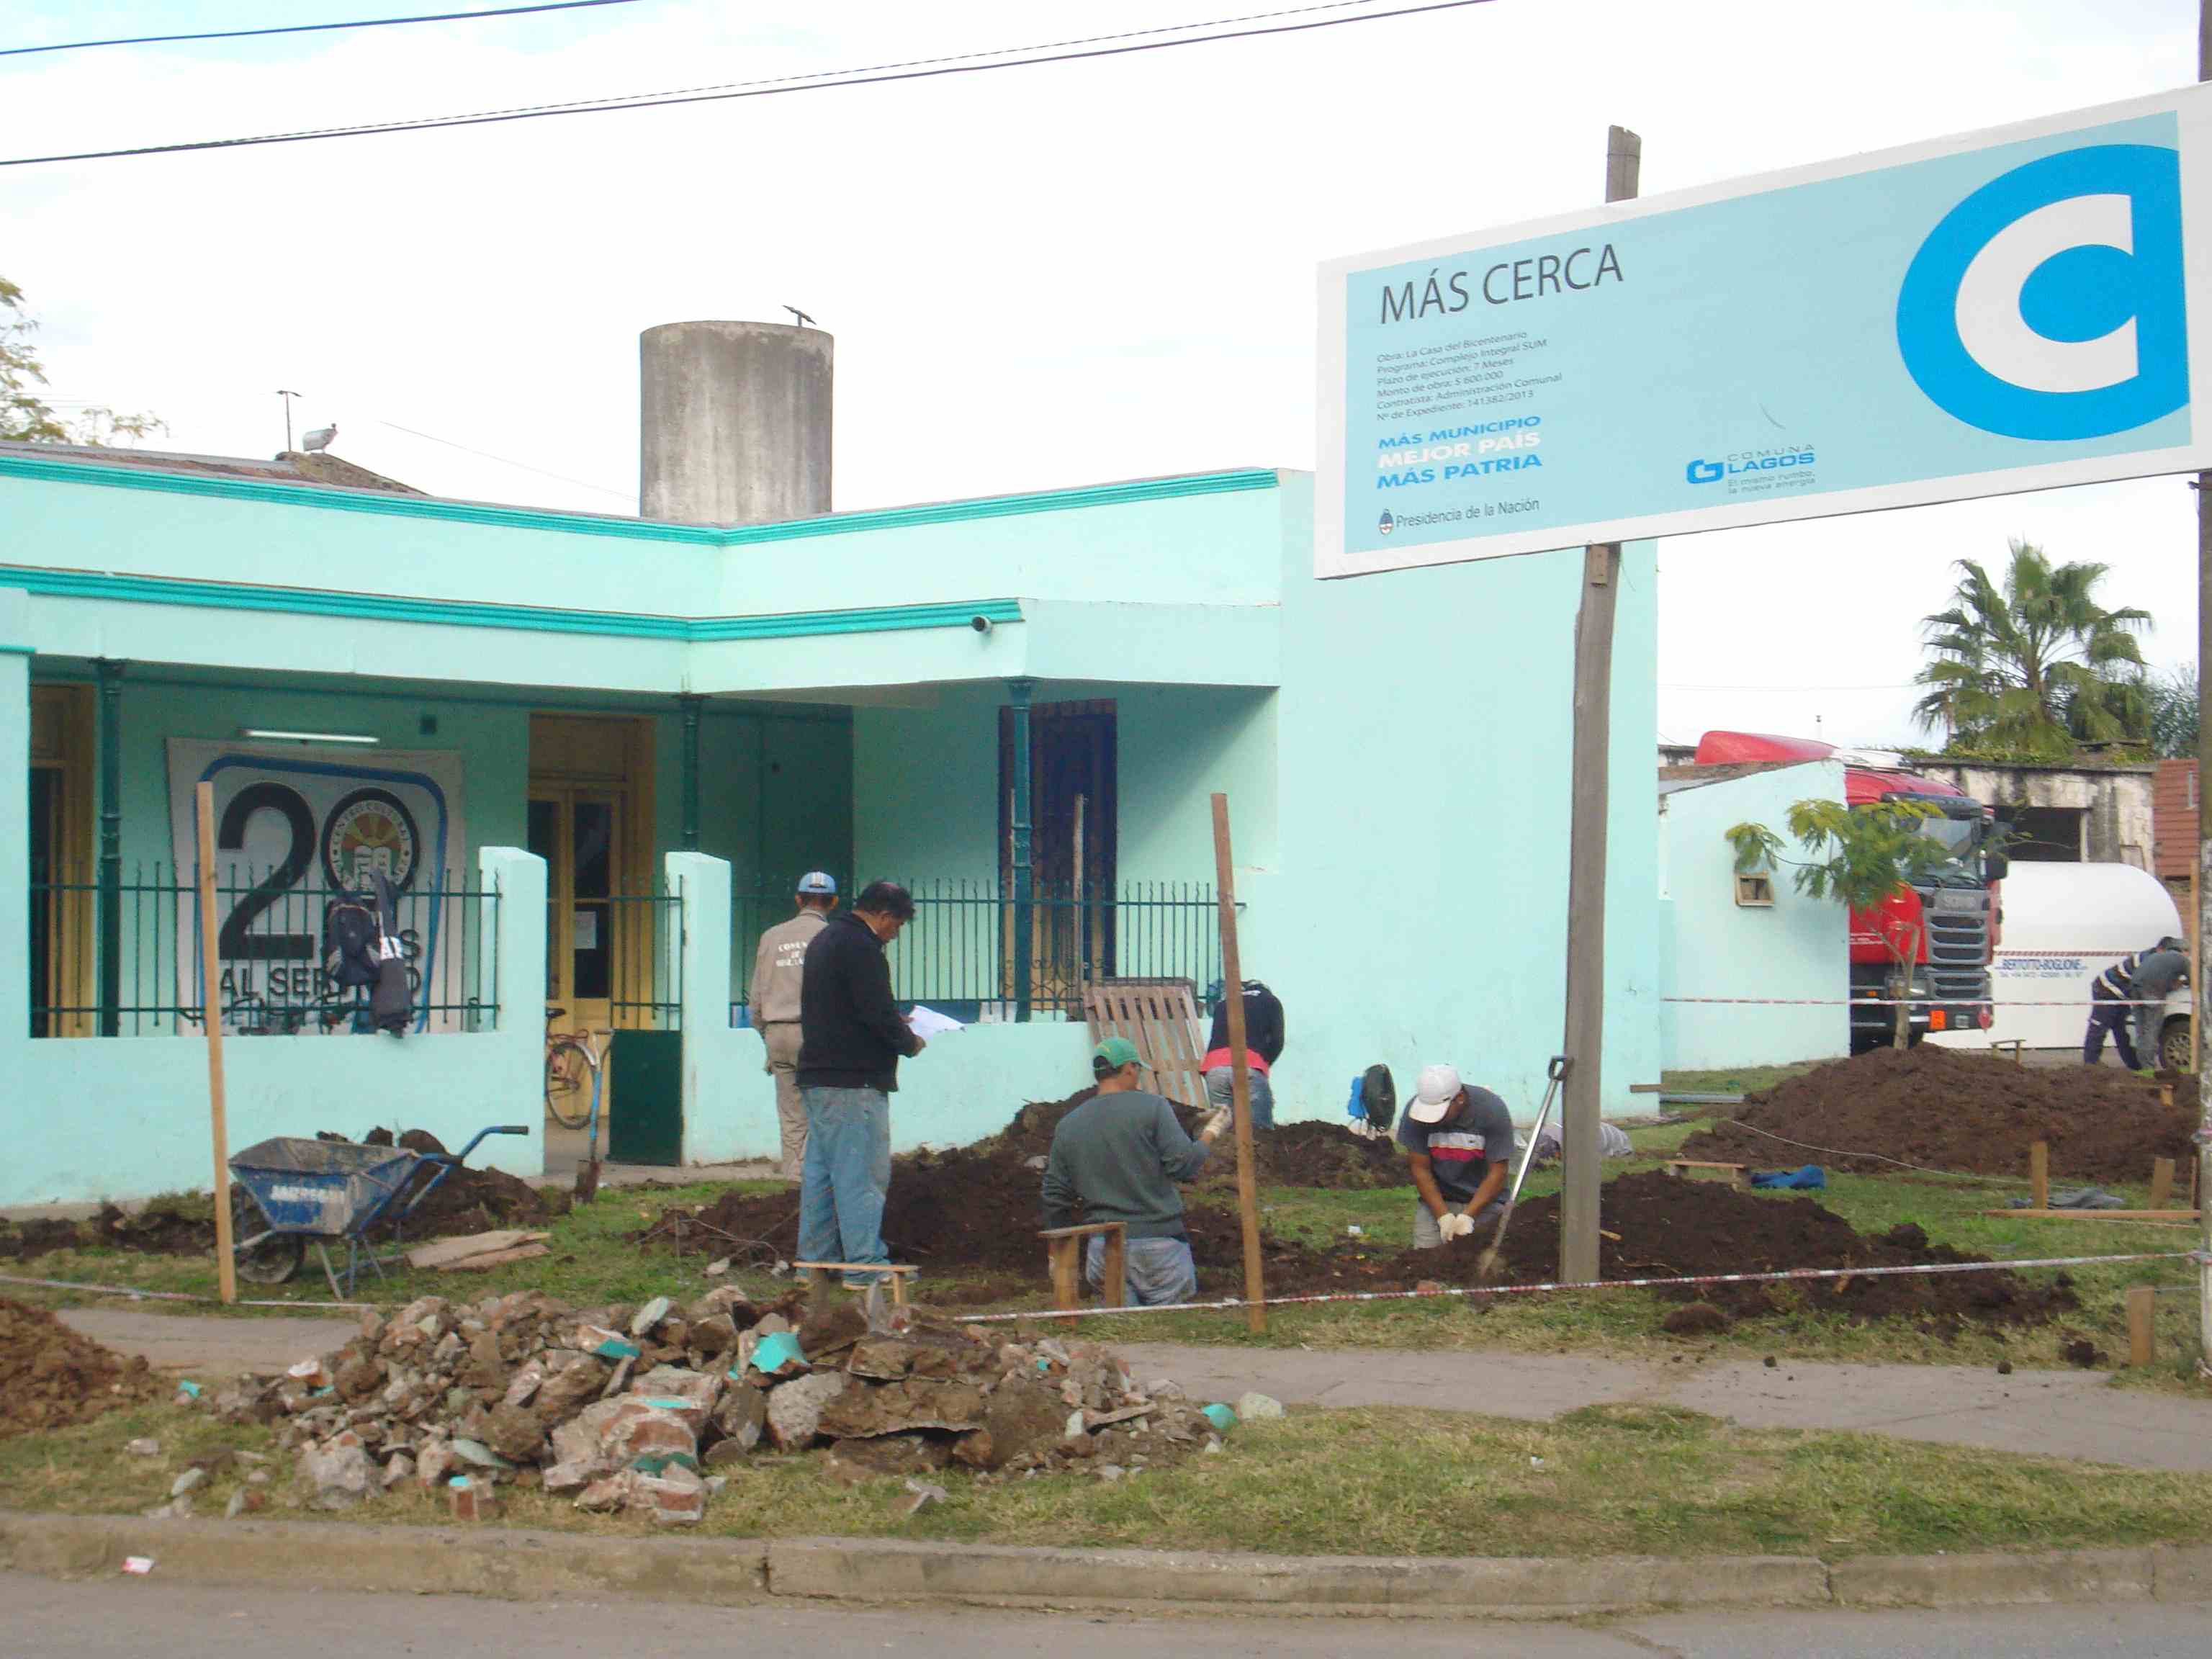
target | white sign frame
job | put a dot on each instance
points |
(2193, 108)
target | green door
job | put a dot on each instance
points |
(646, 1073)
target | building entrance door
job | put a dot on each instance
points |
(578, 832)
(1074, 812)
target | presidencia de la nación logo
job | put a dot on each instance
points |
(2003, 310)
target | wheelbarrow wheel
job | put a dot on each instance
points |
(272, 1259)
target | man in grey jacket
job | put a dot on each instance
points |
(2143, 980)
(1118, 1157)
(779, 971)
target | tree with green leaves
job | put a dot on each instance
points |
(24, 416)
(2173, 713)
(1860, 857)
(2031, 667)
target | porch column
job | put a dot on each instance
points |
(110, 898)
(14, 827)
(691, 704)
(1019, 693)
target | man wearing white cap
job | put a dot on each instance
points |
(1459, 1145)
(778, 969)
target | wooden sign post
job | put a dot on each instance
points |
(211, 1017)
(1233, 991)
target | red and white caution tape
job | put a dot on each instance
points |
(172, 1295)
(1774, 1276)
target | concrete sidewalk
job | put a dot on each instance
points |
(2053, 1414)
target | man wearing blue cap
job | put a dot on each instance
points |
(779, 971)
(1118, 1156)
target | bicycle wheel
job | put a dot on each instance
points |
(273, 1259)
(568, 1083)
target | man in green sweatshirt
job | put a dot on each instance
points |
(1117, 1158)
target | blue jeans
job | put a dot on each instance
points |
(846, 1176)
(1221, 1090)
(1154, 1271)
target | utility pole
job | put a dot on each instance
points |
(287, 396)
(2200, 977)
(1582, 1151)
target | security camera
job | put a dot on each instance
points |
(980, 624)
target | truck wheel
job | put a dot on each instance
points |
(2173, 1043)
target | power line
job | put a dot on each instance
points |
(877, 74)
(308, 29)
(581, 483)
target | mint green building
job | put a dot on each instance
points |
(597, 749)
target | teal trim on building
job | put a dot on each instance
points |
(586, 524)
(17, 651)
(374, 607)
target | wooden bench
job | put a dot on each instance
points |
(1738, 1172)
(897, 1270)
(1063, 1252)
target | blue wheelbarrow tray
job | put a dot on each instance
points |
(324, 1190)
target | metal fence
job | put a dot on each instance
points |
(273, 945)
(647, 970)
(958, 954)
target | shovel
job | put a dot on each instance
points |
(1486, 1269)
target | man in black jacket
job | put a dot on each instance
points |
(851, 1036)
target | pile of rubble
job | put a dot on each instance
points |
(640, 1410)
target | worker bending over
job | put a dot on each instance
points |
(1459, 1147)
(1118, 1157)
(2144, 979)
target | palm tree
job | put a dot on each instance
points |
(2036, 666)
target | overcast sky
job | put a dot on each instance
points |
(1036, 277)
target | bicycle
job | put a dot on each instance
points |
(571, 1059)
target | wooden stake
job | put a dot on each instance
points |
(2162, 1182)
(211, 1017)
(2143, 1305)
(2039, 1175)
(1582, 1144)
(1233, 991)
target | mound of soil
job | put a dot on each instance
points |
(50, 1377)
(20, 1240)
(1309, 1154)
(1945, 1109)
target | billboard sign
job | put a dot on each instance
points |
(2005, 311)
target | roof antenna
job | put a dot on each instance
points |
(800, 317)
(288, 397)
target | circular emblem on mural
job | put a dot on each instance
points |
(370, 833)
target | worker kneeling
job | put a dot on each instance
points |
(1459, 1146)
(1118, 1157)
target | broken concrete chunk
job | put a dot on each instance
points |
(1257, 1407)
(832, 1329)
(397, 1471)
(337, 1476)
(143, 1448)
(886, 1358)
(861, 1412)
(649, 1315)
(795, 1408)
(515, 1432)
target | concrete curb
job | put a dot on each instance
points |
(515, 1565)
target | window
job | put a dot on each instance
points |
(1755, 889)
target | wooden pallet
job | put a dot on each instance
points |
(1160, 1017)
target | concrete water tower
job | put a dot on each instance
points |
(734, 421)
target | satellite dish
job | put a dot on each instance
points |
(1379, 1093)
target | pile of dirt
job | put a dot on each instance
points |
(1669, 1228)
(20, 1240)
(50, 1377)
(1309, 1154)
(1945, 1109)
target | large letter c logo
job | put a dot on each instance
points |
(2049, 303)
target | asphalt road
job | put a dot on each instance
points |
(145, 1619)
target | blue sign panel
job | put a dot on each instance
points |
(2004, 311)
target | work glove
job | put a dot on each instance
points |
(1452, 1225)
(1217, 1124)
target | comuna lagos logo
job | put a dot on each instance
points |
(2049, 303)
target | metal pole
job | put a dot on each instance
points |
(1233, 991)
(1020, 692)
(691, 704)
(2201, 977)
(109, 902)
(1582, 1151)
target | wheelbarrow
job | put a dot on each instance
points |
(288, 1193)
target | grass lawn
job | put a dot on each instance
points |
(1732, 1080)
(1604, 1481)
(594, 1260)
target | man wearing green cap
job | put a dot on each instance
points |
(1117, 1158)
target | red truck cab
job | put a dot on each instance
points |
(1947, 923)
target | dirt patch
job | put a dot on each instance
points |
(1314, 1153)
(1944, 1110)
(50, 1377)
(20, 1240)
